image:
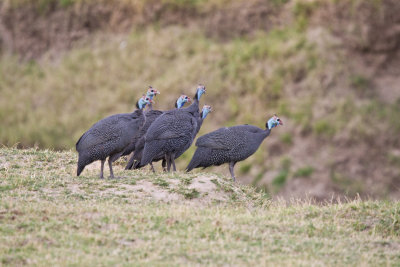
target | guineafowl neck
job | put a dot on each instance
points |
(194, 106)
(196, 98)
(150, 107)
(199, 123)
(195, 102)
(267, 132)
(139, 111)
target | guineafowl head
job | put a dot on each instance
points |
(182, 100)
(206, 109)
(273, 122)
(201, 89)
(152, 92)
(143, 101)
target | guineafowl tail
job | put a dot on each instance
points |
(78, 143)
(130, 163)
(146, 159)
(80, 169)
(82, 162)
(191, 166)
(137, 165)
(134, 161)
(150, 151)
(194, 163)
(201, 158)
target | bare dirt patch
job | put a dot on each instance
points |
(139, 186)
(207, 189)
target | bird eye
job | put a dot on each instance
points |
(185, 97)
(278, 120)
(152, 90)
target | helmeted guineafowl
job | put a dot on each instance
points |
(171, 131)
(138, 153)
(150, 115)
(134, 161)
(206, 109)
(230, 145)
(109, 137)
(151, 93)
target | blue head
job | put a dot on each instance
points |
(143, 101)
(201, 89)
(182, 100)
(273, 122)
(206, 109)
(152, 92)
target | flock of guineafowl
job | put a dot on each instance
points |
(155, 135)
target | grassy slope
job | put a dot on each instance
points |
(44, 222)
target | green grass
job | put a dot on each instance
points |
(280, 179)
(161, 182)
(304, 172)
(50, 217)
(188, 193)
(324, 128)
(245, 168)
(286, 138)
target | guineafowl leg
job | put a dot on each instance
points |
(168, 158)
(152, 167)
(231, 166)
(164, 165)
(111, 170)
(131, 163)
(136, 164)
(102, 168)
(111, 159)
(173, 161)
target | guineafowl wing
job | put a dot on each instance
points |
(169, 125)
(246, 128)
(178, 128)
(106, 130)
(169, 135)
(150, 117)
(220, 139)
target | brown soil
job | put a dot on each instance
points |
(30, 31)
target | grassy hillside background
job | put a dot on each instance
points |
(329, 69)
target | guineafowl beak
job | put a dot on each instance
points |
(189, 100)
(157, 92)
(280, 122)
